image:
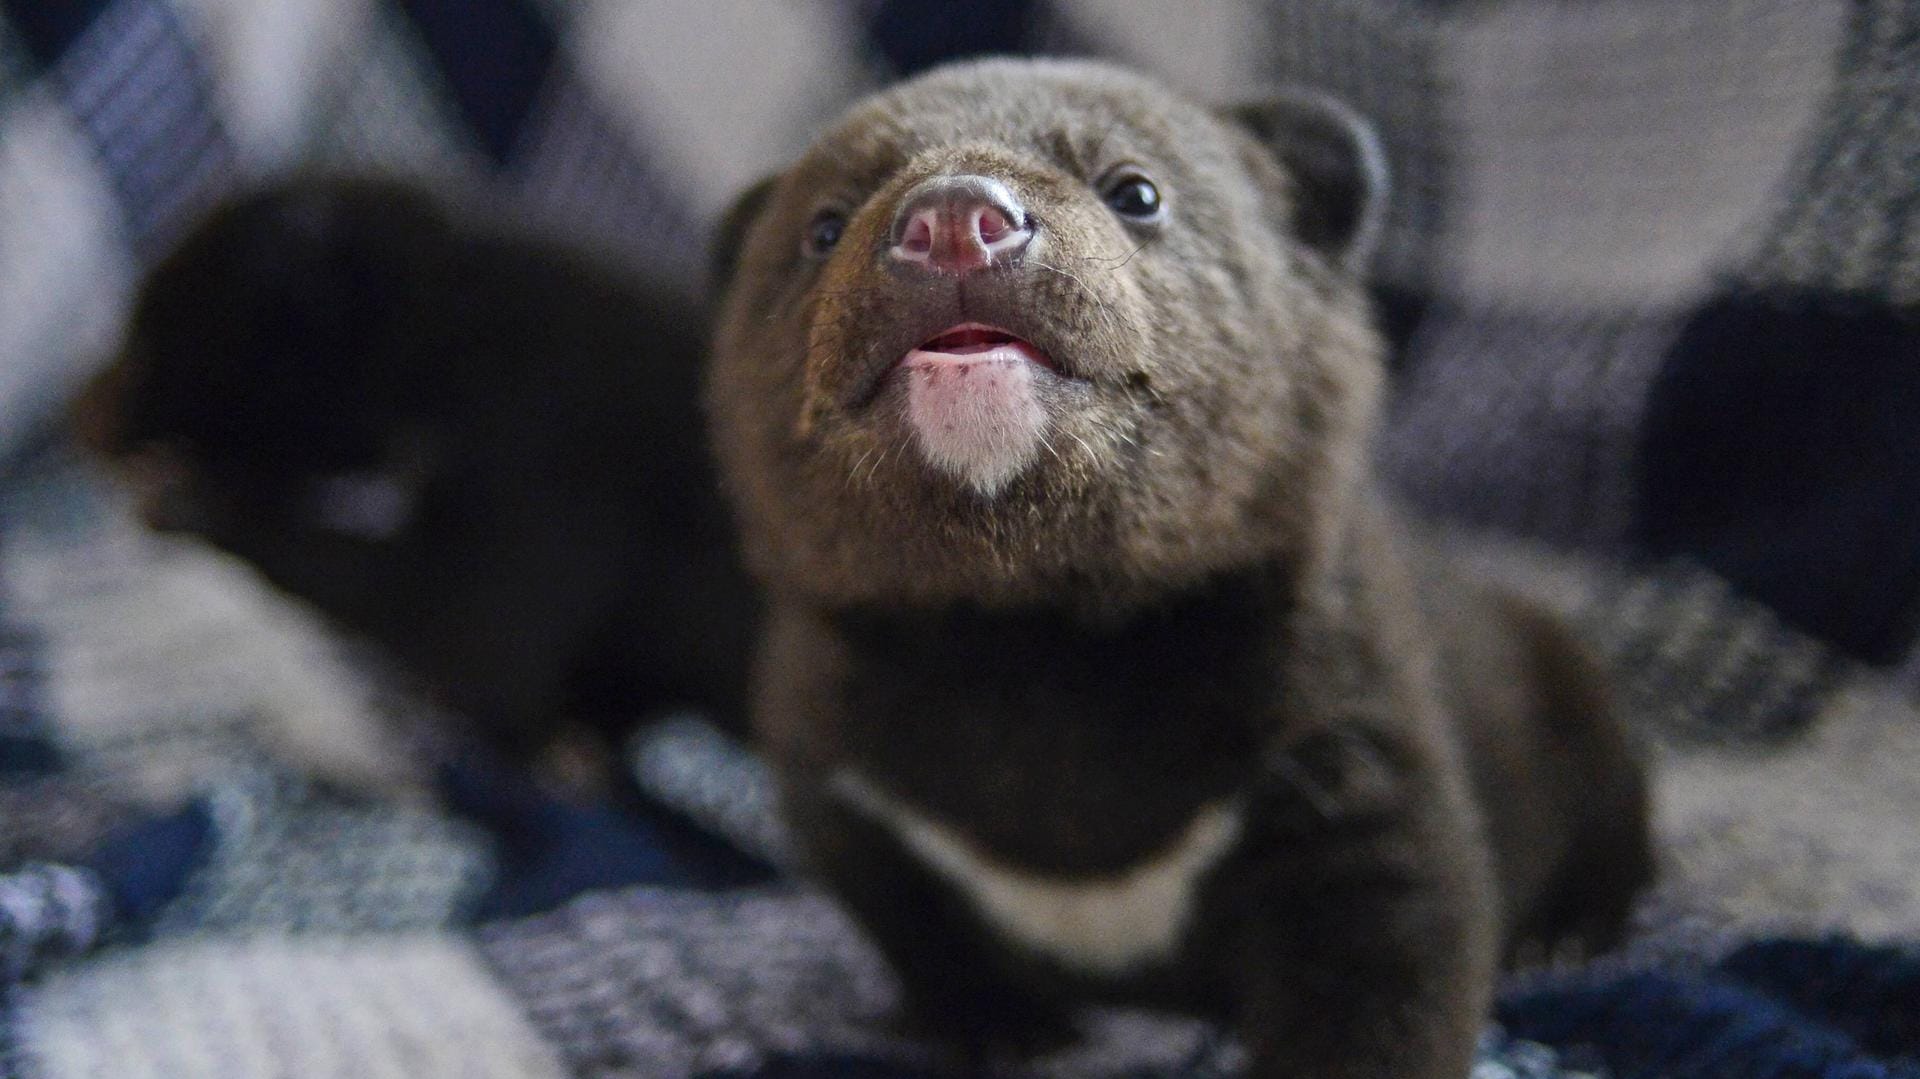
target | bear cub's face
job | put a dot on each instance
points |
(1021, 326)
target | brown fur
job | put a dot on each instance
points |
(1192, 595)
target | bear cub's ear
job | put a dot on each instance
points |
(1338, 165)
(723, 248)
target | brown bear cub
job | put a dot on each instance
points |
(1095, 668)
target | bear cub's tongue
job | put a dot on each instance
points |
(972, 402)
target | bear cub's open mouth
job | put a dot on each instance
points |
(976, 342)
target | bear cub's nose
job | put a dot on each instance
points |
(959, 224)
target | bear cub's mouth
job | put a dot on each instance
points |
(976, 342)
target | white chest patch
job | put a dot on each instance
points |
(1101, 925)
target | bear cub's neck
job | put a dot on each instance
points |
(1063, 742)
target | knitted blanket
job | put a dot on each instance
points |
(235, 846)
(1650, 276)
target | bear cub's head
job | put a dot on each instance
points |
(1019, 330)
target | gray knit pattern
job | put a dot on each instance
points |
(1525, 423)
(1851, 216)
(1383, 59)
(289, 857)
(697, 770)
(1694, 661)
(644, 984)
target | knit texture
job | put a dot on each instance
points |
(1650, 278)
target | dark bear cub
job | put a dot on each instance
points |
(1096, 667)
(479, 449)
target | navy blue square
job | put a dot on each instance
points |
(1781, 450)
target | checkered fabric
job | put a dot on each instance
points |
(1650, 276)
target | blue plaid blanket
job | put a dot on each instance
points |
(235, 846)
(1651, 278)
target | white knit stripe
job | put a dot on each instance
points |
(387, 111)
(272, 61)
(1209, 50)
(724, 90)
(1601, 165)
(154, 644)
(411, 1007)
(65, 264)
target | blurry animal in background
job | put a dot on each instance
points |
(481, 450)
(1096, 666)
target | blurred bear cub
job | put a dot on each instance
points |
(478, 448)
(1096, 666)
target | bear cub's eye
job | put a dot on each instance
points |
(823, 232)
(1129, 193)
